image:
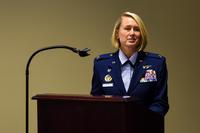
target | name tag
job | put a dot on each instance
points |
(107, 85)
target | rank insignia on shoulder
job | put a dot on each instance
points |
(97, 57)
(108, 78)
(104, 56)
(154, 55)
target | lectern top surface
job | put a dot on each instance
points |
(83, 97)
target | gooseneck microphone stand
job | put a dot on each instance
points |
(82, 53)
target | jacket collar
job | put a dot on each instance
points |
(123, 58)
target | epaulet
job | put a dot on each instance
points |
(154, 55)
(104, 56)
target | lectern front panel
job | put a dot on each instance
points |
(88, 114)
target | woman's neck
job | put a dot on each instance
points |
(128, 52)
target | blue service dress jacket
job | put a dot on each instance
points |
(148, 83)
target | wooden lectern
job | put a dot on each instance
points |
(94, 114)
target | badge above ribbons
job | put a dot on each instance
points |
(146, 66)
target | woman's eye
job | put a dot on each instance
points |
(127, 28)
(137, 29)
(132, 28)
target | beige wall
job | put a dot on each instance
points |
(26, 26)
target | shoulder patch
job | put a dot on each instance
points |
(154, 55)
(104, 56)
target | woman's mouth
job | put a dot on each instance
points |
(132, 40)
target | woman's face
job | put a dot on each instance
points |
(129, 33)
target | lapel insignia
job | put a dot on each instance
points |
(113, 62)
(109, 70)
(150, 76)
(108, 78)
(140, 61)
(146, 66)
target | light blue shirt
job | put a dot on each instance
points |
(126, 69)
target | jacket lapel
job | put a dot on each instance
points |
(138, 71)
(115, 67)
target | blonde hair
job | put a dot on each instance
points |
(143, 41)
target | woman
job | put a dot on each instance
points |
(130, 71)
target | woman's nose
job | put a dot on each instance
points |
(132, 32)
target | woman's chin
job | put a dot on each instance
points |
(132, 45)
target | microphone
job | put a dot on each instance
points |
(81, 53)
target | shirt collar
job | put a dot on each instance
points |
(123, 58)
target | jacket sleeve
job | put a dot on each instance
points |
(96, 83)
(160, 100)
